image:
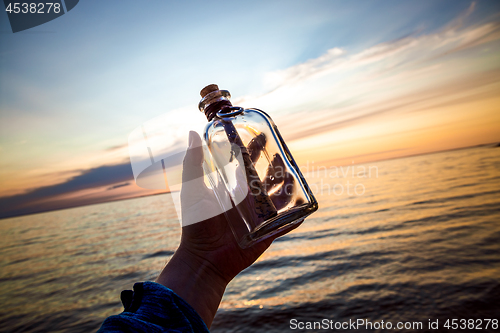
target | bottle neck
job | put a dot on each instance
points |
(214, 102)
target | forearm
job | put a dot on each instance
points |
(196, 281)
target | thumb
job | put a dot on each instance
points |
(192, 166)
(198, 202)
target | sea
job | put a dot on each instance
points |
(409, 244)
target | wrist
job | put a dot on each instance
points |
(195, 280)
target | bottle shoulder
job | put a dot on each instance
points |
(260, 112)
(249, 120)
(248, 114)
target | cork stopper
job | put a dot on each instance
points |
(208, 89)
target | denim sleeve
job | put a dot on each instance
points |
(152, 307)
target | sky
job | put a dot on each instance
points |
(346, 82)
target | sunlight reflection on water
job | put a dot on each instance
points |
(422, 242)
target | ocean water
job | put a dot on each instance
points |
(410, 240)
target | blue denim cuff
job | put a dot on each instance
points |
(152, 307)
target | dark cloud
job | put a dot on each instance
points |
(101, 176)
(117, 186)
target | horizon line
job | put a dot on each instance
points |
(492, 144)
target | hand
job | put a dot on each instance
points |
(209, 256)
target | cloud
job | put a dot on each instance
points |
(304, 70)
(409, 50)
(477, 87)
(117, 147)
(117, 186)
(88, 179)
(415, 73)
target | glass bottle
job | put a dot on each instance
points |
(251, 159)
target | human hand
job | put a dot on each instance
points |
(209, 256)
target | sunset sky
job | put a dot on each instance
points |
(346, 82)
